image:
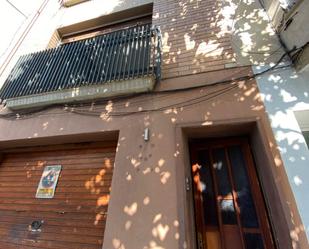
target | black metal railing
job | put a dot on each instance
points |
(124, 54)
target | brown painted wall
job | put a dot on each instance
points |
(195, 38)
(149, 206)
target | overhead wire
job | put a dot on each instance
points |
(17, 9)
(76, 109)
(185, 103)
(27, 29)
(73, 107)
(188, 102)
(182, 104)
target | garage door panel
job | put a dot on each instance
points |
(36, 244)
(80, 178)
(12, 246)
(77, 186)
(73, 169)
(79, 209)
(75, 217)
(62, 202)
(53, 227)
(20, 231)
(65, 187)
(39, 163)
(69, 167)
(61, 154)
(59, 195)
(83, 181)
(70, 220)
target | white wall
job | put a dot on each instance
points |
(13, 22)
(297, 32)
(284, 92)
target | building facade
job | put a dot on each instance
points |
(160, 116)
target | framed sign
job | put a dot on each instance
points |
(48, 182)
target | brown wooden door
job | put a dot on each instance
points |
(229, 207)
(75, 217)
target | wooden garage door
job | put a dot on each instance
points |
(75, 217)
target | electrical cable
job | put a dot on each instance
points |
(27, 29)
(73, 108)
(174, 105)
(243, 78)
(13, 38)
(24, 114)
(18, 10)
(181, 104)
(296, 55)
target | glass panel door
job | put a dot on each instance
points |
(230, 211)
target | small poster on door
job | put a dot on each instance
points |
(48, 182)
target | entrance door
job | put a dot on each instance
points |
(229, 207)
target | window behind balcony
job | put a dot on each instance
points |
(102, 25)
(106, 29)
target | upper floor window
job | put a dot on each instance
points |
(140, 15)
(104, 29)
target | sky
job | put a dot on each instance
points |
(12, 22)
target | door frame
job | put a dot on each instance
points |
(266, 157)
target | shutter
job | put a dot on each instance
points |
(75, 217)
(106, 29)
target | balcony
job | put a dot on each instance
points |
(121, 62)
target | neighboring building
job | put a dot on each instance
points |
(177, 124)
(285, 96)
(289, 107)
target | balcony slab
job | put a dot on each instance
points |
(83, 93)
